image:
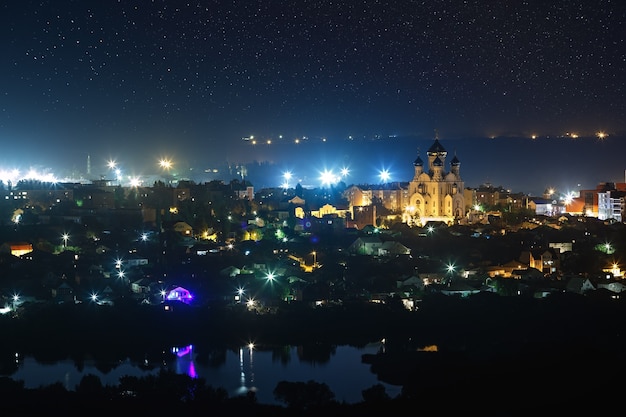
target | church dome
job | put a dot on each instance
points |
(455, 161)
(436, 148)
(418, 162)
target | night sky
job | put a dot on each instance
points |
(139, 80)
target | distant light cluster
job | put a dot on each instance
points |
(15, 175)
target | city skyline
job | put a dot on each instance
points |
(137, 82)
(314, 162)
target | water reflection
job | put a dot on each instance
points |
(246, 372)
(239, 370)
(184, 361)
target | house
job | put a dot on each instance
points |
(183, 229)
(413, 281)
(579, 285)
(613, 286)
(141, 286)
(64, 293)
(546, 261)
(460, 289)
(230, 271)
(17, 248)
(365, 245)
(179, 294)
(391, 247)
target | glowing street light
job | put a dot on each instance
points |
(345, 172)
(384, 175)
(328, 177)
(65, 238)
(287, 175)
(135, 182)
(165, 164)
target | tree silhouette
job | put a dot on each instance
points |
(304, 395)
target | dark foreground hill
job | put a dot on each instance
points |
(497, 355)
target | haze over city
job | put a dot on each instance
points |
(136, 82)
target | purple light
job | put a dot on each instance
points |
(179, 294)
(184, 361)
(180, 352)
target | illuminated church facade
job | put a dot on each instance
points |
(434, 193)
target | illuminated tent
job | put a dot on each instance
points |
(179, 294)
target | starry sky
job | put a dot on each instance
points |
(139, 80)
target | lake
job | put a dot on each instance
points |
(248, 368)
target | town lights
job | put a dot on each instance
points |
(384, 175)
(165, 164)
(328, 177)
(239, 295)
(286, 176)
(65, 237)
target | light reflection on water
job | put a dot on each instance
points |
(238, 371)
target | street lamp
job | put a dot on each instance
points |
(287, 176)
(165, 164)
(314, 258)
(239, 295)
(65, 238)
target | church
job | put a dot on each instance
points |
(434, 193)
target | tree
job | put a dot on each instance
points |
(89, 385)
(375, 394)
(303, 395)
